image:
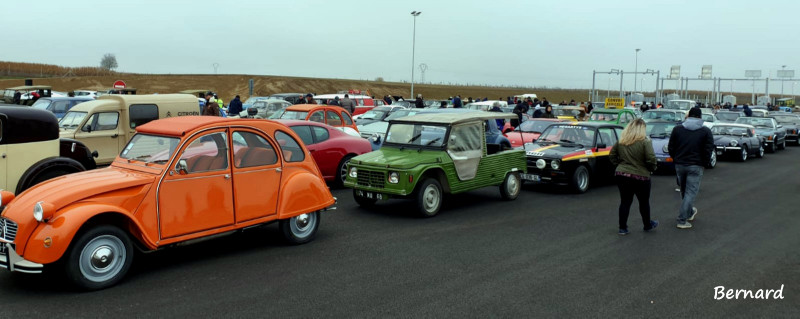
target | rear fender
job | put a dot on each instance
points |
(302, 192)
(41, 167)
(72, 219)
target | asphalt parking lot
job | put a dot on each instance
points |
(546, 254)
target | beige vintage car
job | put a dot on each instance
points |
(8, 94)
(107, 124)
(31, 152)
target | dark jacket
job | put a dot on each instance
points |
(348, 105)
(211, 109)
(637, 158)
(691, 143)
(235, 106)
(418, 103)
(548, 115)
(748, 111)
(457, 103)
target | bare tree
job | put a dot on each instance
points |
(379, 79)
(109, 62)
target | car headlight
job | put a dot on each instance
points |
(734, 143)
(353, 172)
(393, 178)
(375, 138)
(540, 163)
(665, 149)
(42, 211)
(555, 164)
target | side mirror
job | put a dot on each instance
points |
(182, 167)
(780, 126)
(87, 128)
(533, 141)
(601, 145)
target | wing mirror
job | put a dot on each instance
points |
(182, 167)
(87, 128)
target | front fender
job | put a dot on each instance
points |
(302, 192)
(63, 228)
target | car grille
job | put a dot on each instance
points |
(8, 229)
(371, 178)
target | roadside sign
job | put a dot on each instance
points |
(119, 84)
(615, 103)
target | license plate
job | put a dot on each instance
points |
(531, 177)
(719, 152)
(370, 195)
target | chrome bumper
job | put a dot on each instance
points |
(13, 262)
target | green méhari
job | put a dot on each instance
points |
(427, 155)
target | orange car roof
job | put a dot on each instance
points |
(179, 125)
(304, 107)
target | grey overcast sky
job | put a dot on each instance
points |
(533, 43)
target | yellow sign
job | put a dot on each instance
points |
(615, 103)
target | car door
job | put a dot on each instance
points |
(101, 133)
(608, 137)
(325, 153)
(256, 175)
(465, 147)
(332, 118)
(317, 116)
(201, 196)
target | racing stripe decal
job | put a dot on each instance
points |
(546, 148)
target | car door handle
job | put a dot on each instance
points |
(114, 136)
(279, 170)
(227, 176)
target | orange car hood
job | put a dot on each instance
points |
(68, 189)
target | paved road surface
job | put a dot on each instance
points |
(545, 254)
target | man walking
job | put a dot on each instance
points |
(419, 103)
(690, 147)
(348, 104)
(235, 106)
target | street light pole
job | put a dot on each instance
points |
(413, 49)
(783, 68)
(636, 69)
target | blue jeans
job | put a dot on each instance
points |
(689, 177)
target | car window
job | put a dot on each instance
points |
(317, 117)
(206, 153)
(60, 106)
(304, 131)
(333, 119)
(618, 131)
(347, 119)
(292, 152)
(142, 113)
(102, 122)
(606, 136)
(321, 134)
(256, 151)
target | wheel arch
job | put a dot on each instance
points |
(63, 230)
(437, 173)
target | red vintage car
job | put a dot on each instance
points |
(528, 131)
(330, 146)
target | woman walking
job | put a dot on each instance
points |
(633, 155)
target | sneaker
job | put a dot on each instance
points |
(653, 225)
(694, 213)
(685, 225)
(623, 232)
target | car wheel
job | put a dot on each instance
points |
(745, 152)
(511, 186)
(760, 153)
(783, 145)
(580, 180)
(50, 174)
(99, 258)
(429, 197)
(341, 171)
(363, 201)
(772, 147)
(300, 229)
(713, 162)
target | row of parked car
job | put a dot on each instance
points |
(175, 179)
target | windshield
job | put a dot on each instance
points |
(728, 130)
(604, 116)
(566, 112)
(791, 119)
(401, 103)
(661, 130)
(567, 134)
(755, 121)
(708, 118)
(259, 105)
(533, 126)
(666, 116)
(150, 148)
(42, 104)
(399, 113)
(294, 115)
(71, 120)
(730, 116)
(679, 105)
(374, 114)
(253, 99)
(416, 134)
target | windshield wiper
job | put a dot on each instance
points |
(433, 141)
(570, 142)
(414, 138)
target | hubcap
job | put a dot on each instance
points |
(303, 225)
(343, 170)
(512, 187)
(431, 198)
(744, 153)
(582, 180)
(713, 159)
(761, 151)
(102, 258)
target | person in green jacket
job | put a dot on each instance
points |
(634, 157)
